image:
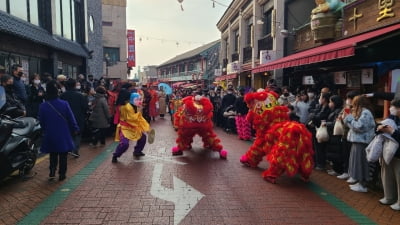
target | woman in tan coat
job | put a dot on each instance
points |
(162, 96)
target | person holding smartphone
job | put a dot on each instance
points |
(362, 130)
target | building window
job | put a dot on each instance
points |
(112, 54)
(23, 9)
(107, 23)
(236, 40)
(267, 19)
(226, 48)
(249, 32)
(19, 8)
(33, 12)
(91, 24)
(65, 18)
(3, 5)
(182, 68)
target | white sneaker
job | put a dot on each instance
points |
(395, 206)
(356, 185)
(351, 180)
(344, 176)
(385, 201)
(360, 188)
(332, 173)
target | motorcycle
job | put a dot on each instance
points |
(20, 140)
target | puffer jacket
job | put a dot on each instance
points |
(362, 130)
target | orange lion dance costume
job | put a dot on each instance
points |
(287, 144)
(195, 117)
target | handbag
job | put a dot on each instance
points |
(338, 128)
(322, 134)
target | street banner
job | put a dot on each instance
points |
(131, 48)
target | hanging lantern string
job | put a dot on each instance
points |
(218, 3)
(162, 40)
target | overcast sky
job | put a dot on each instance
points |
(163, 30)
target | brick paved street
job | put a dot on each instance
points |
(196, 188)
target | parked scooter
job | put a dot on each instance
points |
(20, 140)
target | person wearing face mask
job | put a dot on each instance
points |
(287, 97)
(318, 120)
(79, 107)
(18, 84)
(361, 122)
(345, 145)
(390, 173)
(11, 99)
(61, 82)
(36, 95)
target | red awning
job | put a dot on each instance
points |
(339, 49)
(177, 84)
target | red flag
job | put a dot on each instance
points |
(131, 48)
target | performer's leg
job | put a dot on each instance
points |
(273, 172)
(306, 166)
(184, 140)
(121, 148)
(140, 146)
(211, 141)
(254, 155)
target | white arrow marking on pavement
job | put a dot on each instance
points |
(184, 196)
(155, 158)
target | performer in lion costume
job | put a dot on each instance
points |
(195, 117)
(286, 144)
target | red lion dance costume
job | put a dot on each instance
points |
(195, 117)
(287, 144)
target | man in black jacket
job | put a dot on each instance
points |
(228, 100)
(79, 106)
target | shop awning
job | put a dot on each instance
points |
(177, 84)
(339, 49)
(226, 77)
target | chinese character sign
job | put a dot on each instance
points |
(131, 48)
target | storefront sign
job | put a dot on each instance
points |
(367, 76)
(369, 14)
(267, 56)
(308, 80)
(354, 79)
(131, 48)
(233, 67)
(226, 77)
(340, 77)
(217, 72)
(59, 65)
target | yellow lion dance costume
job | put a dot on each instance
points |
(195, 117)
(286, 144)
